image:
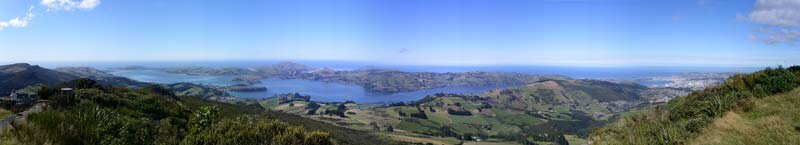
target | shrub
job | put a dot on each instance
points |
(684, 117)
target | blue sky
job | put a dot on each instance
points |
(424, 32)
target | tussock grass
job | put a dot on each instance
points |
(773, 120)
(704, 115)
(4, 113)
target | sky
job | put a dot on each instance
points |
(414, 32)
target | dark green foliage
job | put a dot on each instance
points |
(206, 130)
(340, 111)
(684, 117)
(557, 139)
(312, 105)
(342, 135)
(420, 115)
(485, 105)
(44, 92)
(312, 108)
(459, 112)
(92, 114)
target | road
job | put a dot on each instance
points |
(5, 123)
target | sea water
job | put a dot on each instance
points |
(319, 91)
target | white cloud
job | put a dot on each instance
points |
(70, 4)
(776, 12)
(51, 5)
(18, 21)
(776, 36)
(781, 20)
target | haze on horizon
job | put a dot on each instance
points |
(417, 32)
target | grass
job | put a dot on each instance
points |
(773, 120)
(474, 119)
(688, 119)
(423, 139)
(572, 139)
(4, 113)
(520, 119)
(440, 118)
(6, 139)
(271, 103)
(418, 125)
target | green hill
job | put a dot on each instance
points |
(101, 77)
(93, 114)
(738, 111)
(21, 75)
(539, 112)
(544, 112)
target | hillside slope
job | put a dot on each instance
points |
(92, 114)
(21, 75)
(771, 120)
(101, 77)
(684, 119)
(542, 112)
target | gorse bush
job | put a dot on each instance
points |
(685, 117)
(92, 114)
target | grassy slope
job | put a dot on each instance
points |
(341, 134)
(548, 104)
(186, 104)
(4, 113)
(553, 107)
(773, 120)
(684, 119)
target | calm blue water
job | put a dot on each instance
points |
(319, 91)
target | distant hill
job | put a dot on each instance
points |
(373, 80)
(757, 108)
(101, 77)
(21, 75)
(205, 92)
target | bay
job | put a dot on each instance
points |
(319, 91)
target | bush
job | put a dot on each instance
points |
(459, 112)
(684, 117)
(92, 114)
